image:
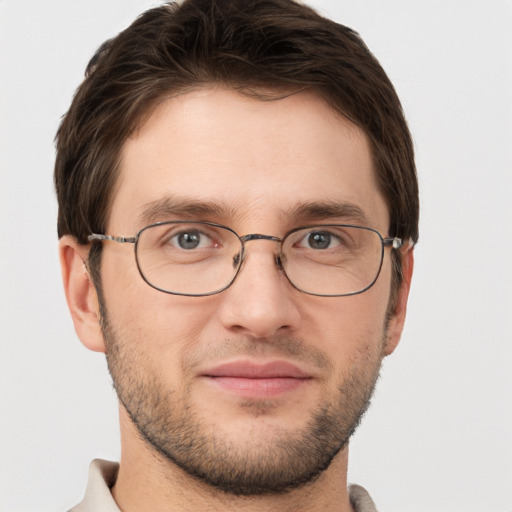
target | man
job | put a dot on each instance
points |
(237, 210)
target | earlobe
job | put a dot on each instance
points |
(80, 293)
(397, 319)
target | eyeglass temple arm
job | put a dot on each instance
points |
(397, 243)
(120, 239)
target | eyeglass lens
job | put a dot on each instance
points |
(201, 258)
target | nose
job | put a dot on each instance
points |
(261, 302)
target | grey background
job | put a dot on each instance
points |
(439, 434)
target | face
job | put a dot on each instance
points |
(253, 390)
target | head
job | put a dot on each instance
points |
(175, 88)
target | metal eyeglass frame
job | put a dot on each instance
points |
(394, 243)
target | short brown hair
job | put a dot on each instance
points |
(248, 45)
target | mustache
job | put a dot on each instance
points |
(291, 348)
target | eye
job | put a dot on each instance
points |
(190, 239)
(319, 240)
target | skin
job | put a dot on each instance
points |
(259, 161)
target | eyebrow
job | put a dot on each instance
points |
(172, 207)
(328, 210)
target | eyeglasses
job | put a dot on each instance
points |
(204, 258)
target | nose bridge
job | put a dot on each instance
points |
(258, 302)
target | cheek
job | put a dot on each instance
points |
(346, 327)
(161, 328)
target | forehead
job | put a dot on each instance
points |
(246, 159)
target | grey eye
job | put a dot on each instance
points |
(319, 240)
(188, 239)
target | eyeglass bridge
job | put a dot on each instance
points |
(257, 236)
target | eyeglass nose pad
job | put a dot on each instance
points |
(238, 258)
(280, 261)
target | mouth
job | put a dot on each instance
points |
(250, 380)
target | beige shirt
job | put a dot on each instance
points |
(103, 474)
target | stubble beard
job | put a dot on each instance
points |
(275, 464)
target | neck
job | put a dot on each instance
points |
(149, 482)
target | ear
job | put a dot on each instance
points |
(80, 293)
(397, 318)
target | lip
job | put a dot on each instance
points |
(254, 380)
(252, 370)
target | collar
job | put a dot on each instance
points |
(103, 475)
